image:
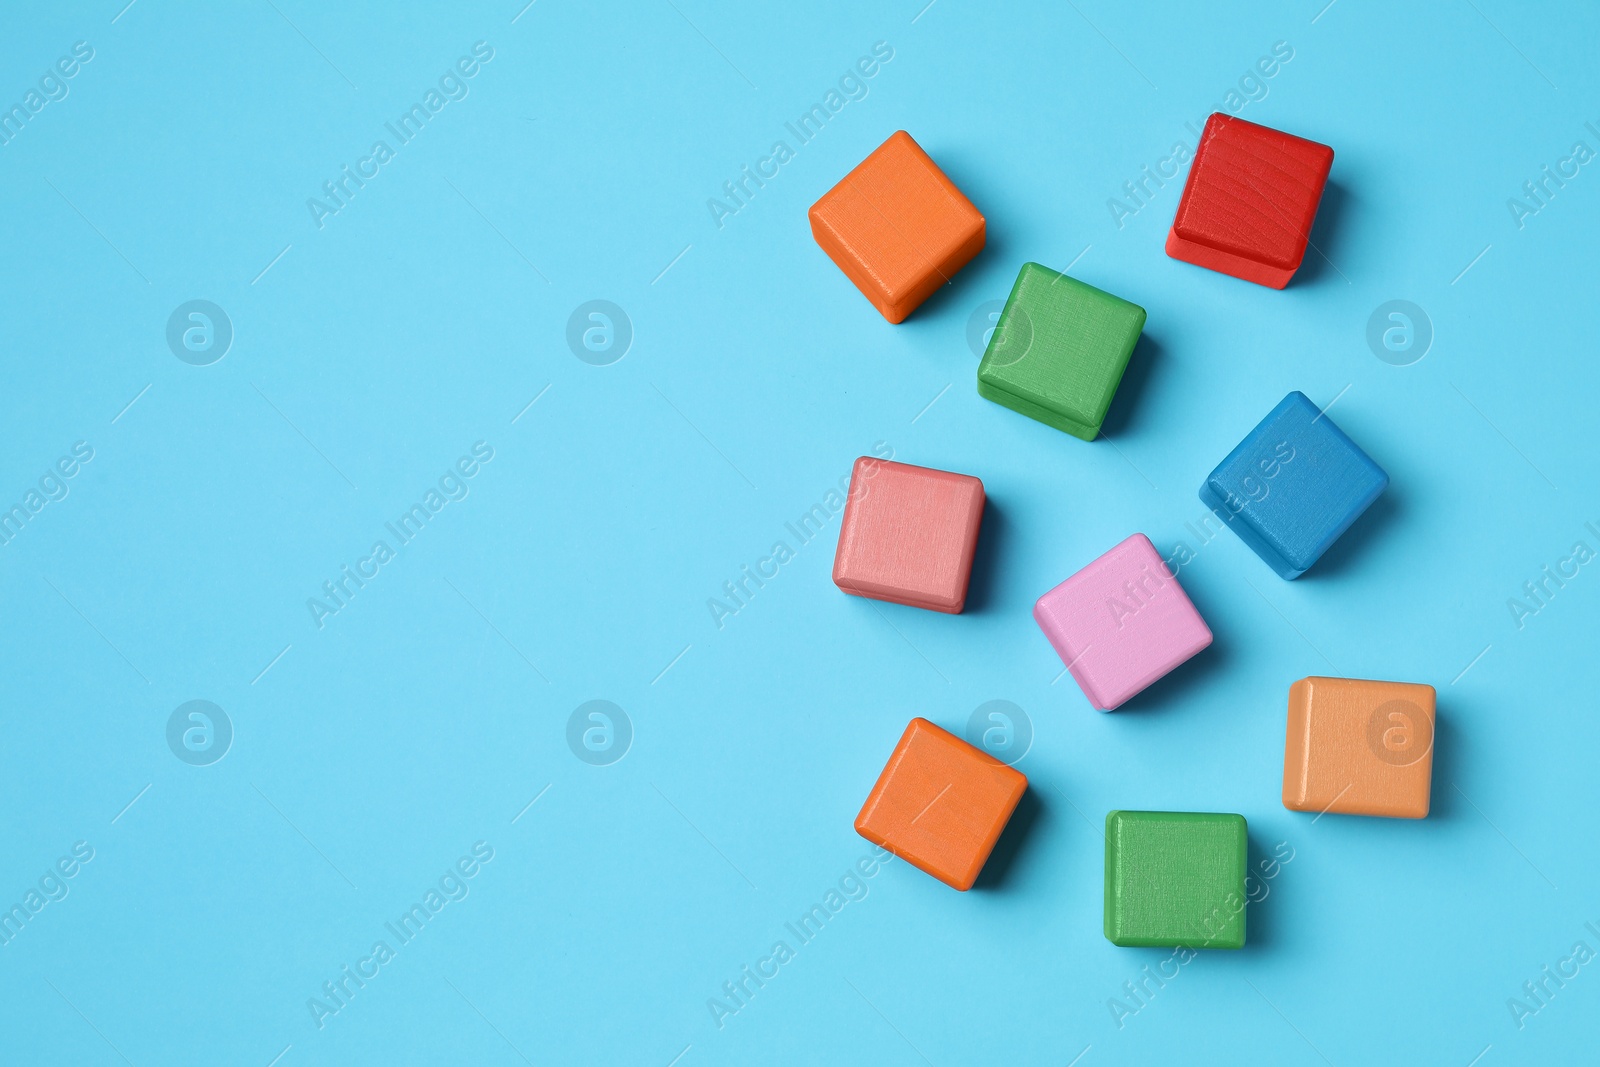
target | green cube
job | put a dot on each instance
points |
(1059, 350)
(1175, 878)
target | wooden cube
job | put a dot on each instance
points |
(908, 535)
(1058, 351)
(1121, 623)
(1293, 486)
(897, 227)
(1175, 879)
(1358, 747)
(1249, 201)
(940, 804)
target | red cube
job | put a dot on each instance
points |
(1249, 201)
(908, 535)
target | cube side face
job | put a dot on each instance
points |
(1121, 623)
(897, 227)
(1061, 346)
(940, 804)
(1359, 747)
(909, 535)
(1297, 748)
(1175, 879)
(1249, 201)
(1293, 486)
(1228, 263)
(1039, 414)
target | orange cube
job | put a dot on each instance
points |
(1359, 748)
(940, 804)
(897, 227)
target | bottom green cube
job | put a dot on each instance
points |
(1175, 879)
(1058, 351)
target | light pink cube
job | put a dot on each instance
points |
(1121, 623)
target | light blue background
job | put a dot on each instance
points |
(426, 715)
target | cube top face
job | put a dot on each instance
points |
(1359, 747)
(1293, 485)
(897, 227)
(1058, 351)
(1175, 878)
(940, 804)
(908, 535)
(1249, 201)
(1121, 623)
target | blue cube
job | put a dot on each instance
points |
(1293, 485)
